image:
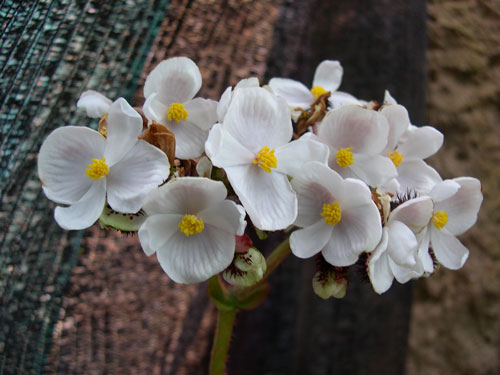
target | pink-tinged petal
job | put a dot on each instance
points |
(379, 271)
(94, 103)
(463, 207)
(155, 110)
(402, 244)
(293, 155)
(420, 143)
(415, 213)
(225, 151)
(86, 211)
(375, 170)
(355, 193)
(444, 190)
(175, 80)
(448, 249)
(257, 118)
(196, 258)
(328, 75)
(353, 126)
(184, 195)
(123, 127)
(311, 240)
(338, 250)
(268, 198)
(416, 175)
(338, 99)
(404, 274)
(140, 171)
(156, 231)
(295, 93)
(424, 258)
(63, 159)
(226, 215)
(399, 122)
(201, 112)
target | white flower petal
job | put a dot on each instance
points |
(399, 122)
(416, 175)
(311, 240)
(328, 75)
(257, 118)
(247, 82)
(175, 80)
(140, 171)
(338, 250)
(62, 161)
(415, 213)
(223, 104)
(444, 190)
(402, 244)
(156, 231)
(155, 110)
(404, 274)
(201, 112)
(293, 155)
(420, 143)
(355, 193)
(375, 170)
(189, 139)
(123, 127)
(353, 126)
(423, 251)
(226, 215)
(195, 258)
(379, 271)
(225, 151)
(94, 103)
(338, 99)
(86, 211)
(463, 207)
(268, 198)
(295, 93)
(448, 249)
(388, 99)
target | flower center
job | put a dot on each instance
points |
(344, 157)
(265, 159)
(97, 169)
(177, 112)
(331, 213)
(191, 224)
(440, 219)
(317, 91)
(396, 157)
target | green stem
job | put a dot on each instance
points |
(220, 346)
(277, 256)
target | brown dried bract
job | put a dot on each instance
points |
(312, 115)
(158, 135)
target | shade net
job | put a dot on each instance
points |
(51, 51)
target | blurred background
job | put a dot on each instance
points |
(93, 303)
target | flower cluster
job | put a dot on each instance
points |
(198, 178)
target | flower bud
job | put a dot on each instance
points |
(328, 284)
(204, 167)
(247, 269)
(128, 223)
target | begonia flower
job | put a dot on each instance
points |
(356, 136)
(338, 217)
(94, 103)
(396, 254)
(227, 95)
(169, 91)
(191, 227)
(252, 145)
(327, 78)
(456, 204)
(80, 168)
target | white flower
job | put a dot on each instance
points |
(226, 97)
(78, 167)
(192, 228)
(253, 148)
(407, 146)
(94, 103)
(456, 204)
(356, 137)
(396, 254)
(327, 78)
(338, 216)
(169, 90)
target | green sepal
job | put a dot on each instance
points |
(236, 298)
(111, 219)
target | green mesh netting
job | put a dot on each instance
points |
(50, 52)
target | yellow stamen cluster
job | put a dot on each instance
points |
(177, 112)
(396, 157)
(440, 219)
(345, 157)
(331, 213)
(191, 224)
(97, 169)
(265, 159)
(317, 91)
